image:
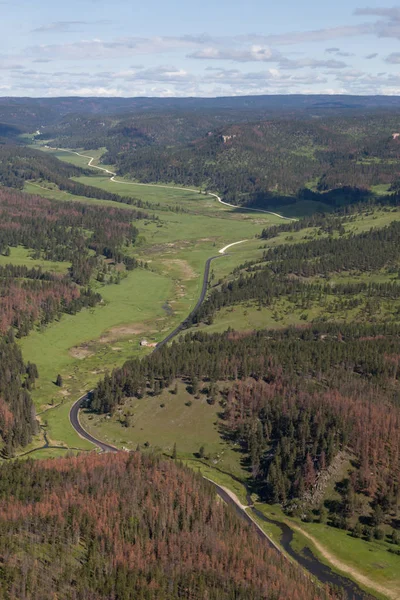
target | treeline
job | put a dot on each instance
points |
(19, 164)
(333, 222)
(271, 163)
(131, 527)
(366, 251)
(362, 348)
(325, 373)
(17, 412)
(66, 231)
(263, 287)
(25, 304)
(59, 231)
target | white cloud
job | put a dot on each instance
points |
(319, 35)
(254, 53)
(58, 26)
(117, 48)
(260, 54)
(391, 13)
(393, 58)
(313, 63)
(66, 26)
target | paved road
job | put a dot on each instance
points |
(74, 419)
(312, 565)
(74, 412)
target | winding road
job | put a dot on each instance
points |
(74, 412)
(168, 187)
(311, 564)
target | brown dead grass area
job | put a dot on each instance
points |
(81, 352)
(168, 247)
(186, 270)
(180, 292)
(116, 333)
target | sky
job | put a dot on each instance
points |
(205, 48)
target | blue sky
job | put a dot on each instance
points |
(207, 48)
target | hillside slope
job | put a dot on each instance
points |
(130, 527)
(278, 161)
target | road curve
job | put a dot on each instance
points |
(168, 187)
(76, 424)
(74, 412)
(224, 493)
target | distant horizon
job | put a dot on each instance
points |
(202, 97)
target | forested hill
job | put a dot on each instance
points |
(19, 164)
(274, 162)
(37, 112)
(293, 400)
(297, 154)
(17, 413)
(131, 527)
(89, 243)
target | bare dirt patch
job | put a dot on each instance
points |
(81, 352)
(116, 333)
(168, 247)
(187, 272)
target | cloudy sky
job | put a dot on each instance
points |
(204, 48)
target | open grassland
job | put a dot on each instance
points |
(145, 304)
(82, 347)
(69, 156)
(64, 345)
(21, 256)
(158, 422)
(44, 453)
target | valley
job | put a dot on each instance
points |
(256, 348)
(90, 346)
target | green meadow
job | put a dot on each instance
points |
(21, 256)
(148, 303)
(158, 422)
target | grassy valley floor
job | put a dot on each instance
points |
(147, 304)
